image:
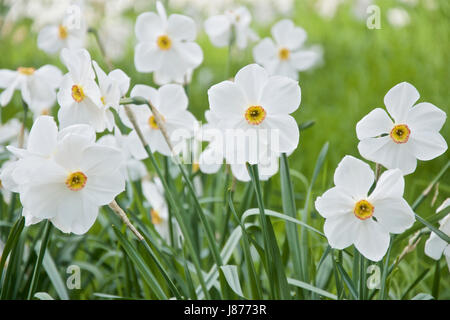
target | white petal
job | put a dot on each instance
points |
(394, 214)
(135, 147)
(102, 189)
(400, 99)
(334, 202)
(148, 26)
(181, 27)
(281, 95)
(227, 100)
(426, 117)
(121, 79)
(287, 35)
(354, 176)
(69, 151)
(264, 51)
(6, 95)
(252, 80)
(218, 29)
(240, 172)
(147, 57)
(390, 184)
(435, 246)
(210, 160)
(427, 145)
(51, 75)
(173, 99)
(389, 154)
(42, 139)
(374, 124)
(7, 77)
(304, 59)
(78, 129)
(372, 240)
(288, 132)
(101, 160)
(191, 53)
(341, 231)
(48, 39)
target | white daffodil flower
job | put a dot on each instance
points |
(166, 45)
(37, 86)
(65, 176)
(233, 24)
(159, 212)
(254, 114)
(112, 87)
(132, 168)
(80, 97)
(412, 134)
(285, 54)
(435, 247)
(353, 216)
(69, 33)
(171, 103)
(9, 133)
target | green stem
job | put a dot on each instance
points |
(40, 258)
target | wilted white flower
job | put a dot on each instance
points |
(234, 24)
(412, 134)
(65, 176)
(435, 247)
(286, 56)
(171, 103)
(69, 33)
(79, 96)
(166, 45)
(254, 114)
(398, 17)
(353, 216)
(37, 86)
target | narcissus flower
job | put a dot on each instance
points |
(435, 247)
(353, 216)
(112, 87)
(69, 33)
(166, 45)
(285, 54)
(79, 95)
(254, 113)
(65, 176)
(411, 134)
(233, 24)
(171, 103)
(9, 133)
(37, 86)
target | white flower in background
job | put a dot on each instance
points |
(112, 87)
(286, 56)
(412, 134)
(37, 86)
(327, 8)
(233, 24)
(65, 176)
(132, 168)
(166, 45)
(69, 33)
(355, 217)
(79, 96)
(360, 8)
(159, 212)
(398, 17)
(254, 113)
(171, 103)
(5, 170)
(115, 32)
(9, 133)
(435, 247)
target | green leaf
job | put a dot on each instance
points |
(43, 296)
(311, 288)
(423, 296)
(231, 275)
(53, 274)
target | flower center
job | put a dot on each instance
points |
(400, 133)
(45, 112)
(62, 32)
(164, 42)
(156, 218)
(363, 209)
(26, 71)
(103, 100)
(76, 181)
(77, 93)
(255, 115)
(284, 53)
(152, 122)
